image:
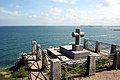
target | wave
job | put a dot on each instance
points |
(97, 36)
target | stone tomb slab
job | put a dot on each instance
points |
(67, 51)
(55, 54)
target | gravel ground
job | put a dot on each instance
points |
(104, 75)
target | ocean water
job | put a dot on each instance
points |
(17, 39)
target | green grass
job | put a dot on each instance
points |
(103, 63)
(22, 72)
(69, 71)
(5, 70)
(10, 78)
(45, 70)
(15, 74)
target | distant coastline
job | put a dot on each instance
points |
(59, 25)
(116, 29)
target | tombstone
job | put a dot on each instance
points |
(34, 47)
(75, 51)
(77, 46)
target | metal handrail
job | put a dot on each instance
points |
(102, 43)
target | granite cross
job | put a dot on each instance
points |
(76, 34)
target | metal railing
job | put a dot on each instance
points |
(118, 48)
(100, 47)
(91, 45)
(105, 48)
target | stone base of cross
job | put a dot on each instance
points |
(77, 46)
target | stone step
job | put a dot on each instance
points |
(30, 57)
(33, 75)
(63, 58)
(35, 65)
(81, 61)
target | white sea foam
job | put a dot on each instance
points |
(97, 36)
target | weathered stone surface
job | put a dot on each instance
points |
(91, 65)
(34, 43)
(67, 51)
(39, 52)
(116, 60)
(30, 57)
(76, 35)
(55, 69)
(7, 75)
(113, 48)
(56, 54)
(97, 47)
(53, 53)
(3, 73)
(85, 43)
(77, 47)
(36, 65)
(63, 58)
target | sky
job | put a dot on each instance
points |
(59, 12)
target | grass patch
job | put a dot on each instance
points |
(103, 63)
(15, 74)
(69, 71)
(45, 70)
(10, 78)
(22, 72)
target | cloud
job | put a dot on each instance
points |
(109, 9)
(107, 12)
(53, 12)
(33, 16)
(66, 1)
(11, 12)
(63, 16)
(6, 17)
(18, 6)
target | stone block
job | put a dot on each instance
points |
(91, 65)
(116, 60)
(55, 70)
(55, 54)
(77, 47)
(67, 51)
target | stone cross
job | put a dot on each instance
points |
(76, 34)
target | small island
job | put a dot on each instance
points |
(116, 29)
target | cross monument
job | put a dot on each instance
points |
(77, 46)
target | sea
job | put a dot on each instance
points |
(17, 39)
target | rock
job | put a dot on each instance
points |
(25, 78)
(3, 73)
(7, 75)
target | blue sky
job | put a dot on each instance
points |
(59, 12)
